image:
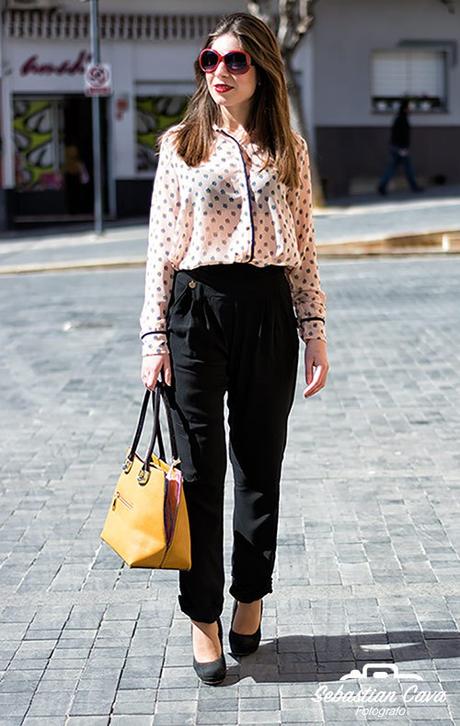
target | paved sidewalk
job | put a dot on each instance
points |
(397, 216)
(368, 222)
(368, 561)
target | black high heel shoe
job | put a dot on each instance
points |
(213, 671)
(244, 644)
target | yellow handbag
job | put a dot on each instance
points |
(147, 524)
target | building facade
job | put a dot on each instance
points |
(354, 65)
(368, 54)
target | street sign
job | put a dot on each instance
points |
(98, 79)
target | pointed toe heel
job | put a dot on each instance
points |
(214, 671)
(244, 644)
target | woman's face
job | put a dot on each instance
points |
(243, 85)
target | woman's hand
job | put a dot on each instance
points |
(316, 366)
(151, 367)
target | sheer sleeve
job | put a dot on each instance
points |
(308, 298)
(159, 273)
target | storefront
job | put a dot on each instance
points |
(47, 136)
(47, 119)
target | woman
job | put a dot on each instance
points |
(231, 250)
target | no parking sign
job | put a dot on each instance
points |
(98, 79)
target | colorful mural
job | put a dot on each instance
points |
(36, 152)
(36, 162)
(154, 114)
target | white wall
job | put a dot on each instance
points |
(346, 33)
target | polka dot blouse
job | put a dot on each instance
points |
(228, 210)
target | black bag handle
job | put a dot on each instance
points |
(158, 394)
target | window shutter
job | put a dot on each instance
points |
(418, 74)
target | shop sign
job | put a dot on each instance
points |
(33, 66)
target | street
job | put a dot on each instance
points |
(368, 563)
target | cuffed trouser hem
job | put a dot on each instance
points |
(200, 615)
(249, 594)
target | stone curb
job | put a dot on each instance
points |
(101, 264)
(440, 242)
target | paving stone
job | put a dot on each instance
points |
(175, 719)
(132, 720)
(134, 702)
(261, 717)
(227, 717)
(24, 664)
(88, 721)
(209, 703)
(57, 705)
(92, 703)
(39, 721)
(14, 704)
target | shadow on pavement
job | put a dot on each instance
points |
(300, 658)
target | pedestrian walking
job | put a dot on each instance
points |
(231, 285)
(399, 150)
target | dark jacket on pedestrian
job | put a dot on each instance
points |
(400, 131)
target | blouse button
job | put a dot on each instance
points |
(192, 283)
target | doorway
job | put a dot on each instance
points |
(54, 158)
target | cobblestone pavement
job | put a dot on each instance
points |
(368, 561)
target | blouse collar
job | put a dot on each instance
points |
(216, 127)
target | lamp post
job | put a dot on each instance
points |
(96, 119)
(96, 108)
(3, 215)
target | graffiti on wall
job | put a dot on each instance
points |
(154, 114)
(36, 163)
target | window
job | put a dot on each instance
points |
(419, 75)
(153, 115)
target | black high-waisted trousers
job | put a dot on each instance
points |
(231, 328)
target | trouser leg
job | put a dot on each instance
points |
(390, 169)
(409, 172)
(196, 397)
(260, 397)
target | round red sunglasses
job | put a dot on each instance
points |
(236, 61)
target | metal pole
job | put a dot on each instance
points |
(96, 116)
(6, 133)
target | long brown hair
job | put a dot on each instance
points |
(269, 117)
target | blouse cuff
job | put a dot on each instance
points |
(154, 344)
(313, 329)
